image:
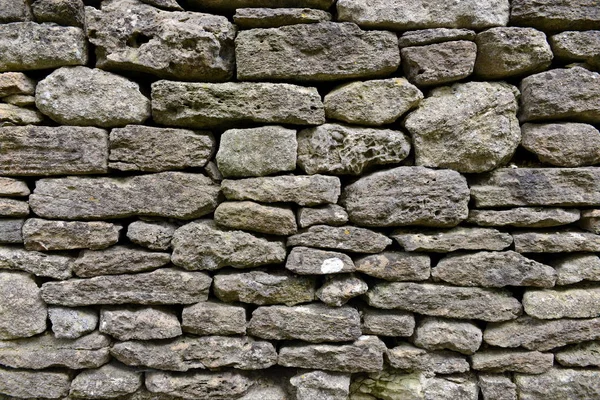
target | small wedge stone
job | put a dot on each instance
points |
(330, 214)
(13, 208)
(585, 354)
(337, 290)
(22, 311)
(11, 230)
(155, 235)
(574, 268)
(250, 18)
(56, 266)
(10, 187)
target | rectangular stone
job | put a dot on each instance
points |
(559, 383)
(34, 384)
(214, 318)
(566, 302)
(16, 83)
(234, 4)
(556, 15)
(56, 266)
(10, 187)
(10, 231)
(44, 235)
(13, 208)
(556, 242)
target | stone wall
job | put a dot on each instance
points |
(368, 199)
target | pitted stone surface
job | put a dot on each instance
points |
(56, 266)
(337, 290)
(22, 311)
(198, 385)
(576, 46)
(110, 380)
(135, 323)
(442, 334)
(348, 238)
(554, 15)
(396, 266)
(118, 260)
(44, 235)
(214, 318)
(251, 216)
(460, 238)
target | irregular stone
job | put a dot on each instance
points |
(44, 235)
(523, 217)
(103, 99)
(13, 208)
(199, 385)
(249, 18)
(22, 311)
(439, 334)
(439, 63)
(11, 115)
(580, 355)
(34, 384)
(434, 35)
(323, 51)
(556, 242)
(10, 187)
(576, 46)
(263, 288)
(317, 385)
(300, 189)
(250, 216)
(10, 231)
(590, 221)
(493, 269)
(191, 195)
(409, 358)
(20, 100)
(445, 301)
(228, 5)
(171, 5)
(557, 303)
(559, 384)
(118, 260)
(29, 46)
(155, 235)
(348, 238)
(389, 383)
(129, 34)
(330, 214)
(561, 94)
(135, 323)
(555, 15)
(510, 51)
(272, 384)
(308, 261)
(497, 387)
(387, 322)
(16, 83)
(574, 268)
(14, 10)
(459, 238)
(213, 172)
(396, 266)
(56, 266)
(61, 12)
(109, 381)
(72, 323)
(525, 362)
(45, 351)
(408, 196)
(214, 318)
(205, 105)
(344, 150)
(338, 289)
(163, 286)
(375, 102)
(452, 387)
(145, 148)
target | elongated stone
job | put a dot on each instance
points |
(108, 381)
(190, 196)
(57, 266)
(348, 238)
(10, 187)
(21, 100)
(585, 354)
(135, 323)
(235, 4)
(330, 214)
(199, 385)
(61, 12)
(250, 18)
(34, 384)
(444, 334)
(525, 362)
(387, 322)
(459, 238)
(11, 115)
(15, 11)
(164, 286)
(251, 216)
(523, 217)
(576, 46)
(557, 303)
(13, 208)
(408, 358)
(423, 37)
(575, 268)
(556, 15)
(214, 318)
(11, 230)
(308, 261)
(337, 290)
(16, 83)
(556, 242)
(396, 266)
(155, 235)
(44, 235)
(72, 323)
(118, 260)
(22, 311)
(559, 384)
(590, 221)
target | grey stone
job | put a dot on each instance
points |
(249, 18)
(406, 357)
(29, 46)
(388, 383)
(16, 83)
(145, 148)
(14, 10)
(396, 266)
(72, 323)
(212, 170)
(468, 127)
(330, 214)
(576, 46)
(45, 351)
(13, 208)
(408, 196)
(61, 12)
(590, 221)
(497, 387)
(101, 98)
(251, 216)
(201, 245)
(321, 385)
(163, 286)
(459, 238)
(387, 322)
(118, 260)
(10, 187)
(155, 235)
(559, 384)
(555, 15)
(170, 5)
(522, 217)
(315, 52)
(340, 150)
(439, 63)
(510, 51)
(440, 334)
(525, 362)
(56, 266)
(452, 387)
(11, 115)
(585, 354)
(129, 34)
(347, 238)
(10, 231)
(204, 105)
(44, 235)
(191, 195)
(256, 151)
(228, 5)
(337, 290)
(434, 35)
(139, 323)
(574, 268)
(199, 385)
(375, 102)
(556, 242)
(272, 384)
(561, 94)
(22, 311)
(308, 261)
(20, 100)
(445, 301)
(300, 189)
(493, 269)
(34, 384)
(109, 381)
(557, 303)
(214, 318)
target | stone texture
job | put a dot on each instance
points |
(10, 231)
(230, 5)
(576, 46)
(249, 18)
(214, 318)
(522, 217)
(164, 286)
(372, 103)
(72, 323)
(572, 94)
(16, 83)
(118, 260)
(321, 385)
(557, 303)
(145, 148)
(330, 214)
(497, 387)
(61, 12)
(10, 187)
(459, 238)
(109, 381)
(22, 311)
(347, 238)
(21, 100)
(444, 334)
(14, 10)
(11, 115)
(493, 269)
(13, 208)
(102, 98)
(408, 196)
(204, 105)
(507, 52)
(590, 221)
(170, 5)
(34, 384)
(44, 235)
(251, 216)
(199, 385)
(445, 301)
(555, 242)
(315, 52)
(344, 150)
(56, 266)
(135, 323)
(396, 266)
(155, 235)
(439, 63)
(308, 261)
(574, 268)
(556, 15)
(585, 354)
(189, 196)
(525, 362)
(337, 290)
(559, 384)
(129, 34)
(387, 322)
(423, 37)
(408, 358)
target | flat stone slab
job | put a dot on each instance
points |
(556, 242)
(408, 358)
(199, 385)
(559, 383)
(44, 235)
(585, 354)
(56, 266)
(424, 37)
(307, 261)
(555, 15)
(251, 216)
(230, 5)
(395, 266)
(348, 238)
(524, 217)
(22, 311)
(329, 214)
(11, 115)
(574, 268)
(13, 208)
(441, 334)
(61, 12)
(34, 384)
(10, 187)
(387, 322)
(459, 238)
(110, 380)
(249, 18)
(557, 303)
(525, 362)
(118, 260)
(576, 46)
(16, 83)
(155, 235)
(214, 318)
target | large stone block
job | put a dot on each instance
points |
(559, 384)
(14, 10)
(34, 384)
(348, 238)
(574, 268)
(118, 260)
(557, 303)
(198, 385)
(251, 216)
(459, 238)
(214, 318)
(44, 235)
(56, 266)
(576, 46)
(556, 15)
(586, 354)
(250, 18)
(139, 323)
(61, 12)
(22, 311)
(396, 266)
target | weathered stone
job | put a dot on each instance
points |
(45, 351)
(145, 148)
(213, 172)
(10, 187)
(230, 5)
(118, 260)
(21, 100)
(203, 105)
(556, 242)
(556, 15)
(409, 358)
(190, 196)
(387, 322)
(34, 384)
(439, 334)
(330, 214)
(510, 51)
(408, 196)
(251, 216)
(576, 46)
(301, 189)
(452, 387)
(57, 266)
(308, 261)
(72, 323)
(170, 5)
(445, 301)
(575, 268)
(315, 52)
(13, 208)
(363, 355)
(459, 238)
(590, 221)
(129, 34)
(14, 10)
(249, 18)
(109, 381)
(344, 150)
(271, 384)
(561, 94)
(525, 362)
(497, 387)
(557, 303)
(321, 385)
(10, 231)
(263, 288)
(163, 286)
(523, 217)
(30, 46)
(15, 83)
(585, 354)
(44, 235)
(11, 115)
(376, 102)
(135, 323)
(208, 352)
(199, 385)
(338, 289)
(202, 245)
(22, 311)
(439, 63)
(434, 35)
(155, 235)
(214, 318)
(348, 238)
(493, 269)
(396, 266)
(61, 12)
(102, 98)
(559, 384)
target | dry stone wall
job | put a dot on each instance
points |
(300, 199)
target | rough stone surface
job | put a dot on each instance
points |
(109, 381)
(522, 217)
(497, 387)
(199, 385)
(229, 5)
(21, 100)
(57, 266)
(574, 268)
(14, 10)
(459, 238)
(214, 318)
(556, 15)
(442, 334)
(10, 187)
(134, 323)
(11, 115)
(251, 216)
(559, 384)
(118, 260)
(330, 214)
(22, 311)
(348, 238)
(249, 18)
(395, 266)
(562, 303)
(555, 242)
(72, 323)
(170, 5)
(576, 46)
(34, 384)
(155, 235)
(16, 83)
(423, 37)
(525, 362)
(44, 235)
(408, 358)
(317, 385)
(61, 12)
(308, 261)
(590, 221)
(387, 322)
(13, 208)
(585, 354)
(337, 290)
(11, 230)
